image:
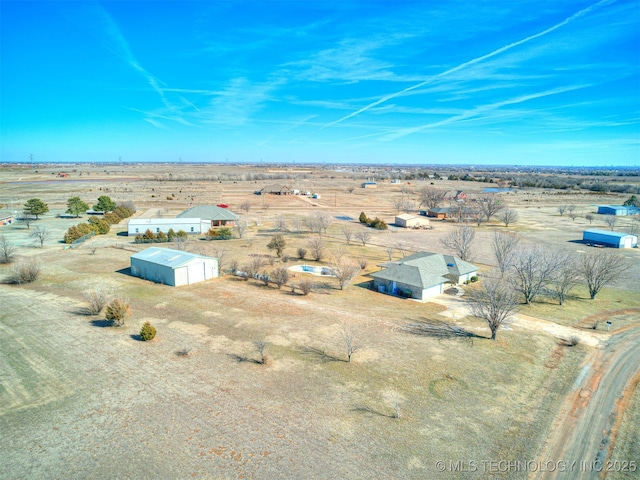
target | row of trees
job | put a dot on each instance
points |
(535, 270)
(97, 225)
(35, 207)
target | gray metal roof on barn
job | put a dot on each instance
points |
(209, 212)
(166, 256)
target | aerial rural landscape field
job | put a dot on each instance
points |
(248, 377)
(319, 239)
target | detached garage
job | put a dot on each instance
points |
(407, 220)
(173, 267)
(604, 238)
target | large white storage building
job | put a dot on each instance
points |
(192, 226)
(173, 267)
(605, 238)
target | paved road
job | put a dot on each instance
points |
(581, 433)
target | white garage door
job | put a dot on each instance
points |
(196, 272)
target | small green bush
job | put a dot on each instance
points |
(147, 332)
(117, 311)
(474, 278)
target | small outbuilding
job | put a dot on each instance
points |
(406, 220)
(604, 238)
(369, 185)
(619, 210)
(173, 267)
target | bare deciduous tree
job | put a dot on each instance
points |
(431, 197)
(305, 286)
(570, 210)
(316, 249)
(562, 209)
(222, 254)
(364, 236)
(533, 269)
(345, 269)
(280, 276)
(245, 206)
(401, 246)
(601, 268)
(504, 248)
(241, 228)
(27, 219)
(565, 278)
(460, 241)
(25, 271)
(254, 266)
(508, 215)
(611, 220)
(260, 346)
(97, 298)
(351, 189)
(490, 206)
(395, 400)
(351, 338)
(41, 235)
(180, 241)
(589, 218)
(348, 233)
(302, 253)
(494, 302)
(282, 224)
(7, 250)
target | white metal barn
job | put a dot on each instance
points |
(173, 267)
(156, 225)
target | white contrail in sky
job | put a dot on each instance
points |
(473, 61)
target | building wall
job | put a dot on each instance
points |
(153, 272)
(191, 227)
(608, 240)
(466, 277)
(393, 288)
(197, 270)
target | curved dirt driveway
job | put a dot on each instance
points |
(582, 430)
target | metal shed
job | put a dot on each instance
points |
(407, 220)
(605, 238)
(173, 267)
(619, 210)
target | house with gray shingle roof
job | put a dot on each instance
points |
(217, 216)
(422, 275)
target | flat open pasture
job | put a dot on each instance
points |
(79, 398)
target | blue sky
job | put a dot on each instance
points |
(468, 82)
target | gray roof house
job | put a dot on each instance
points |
(422, 275)
(218, 216)
(173, 267)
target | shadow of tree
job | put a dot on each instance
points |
(101, 323)
(372, 411)
(439, 329)
(319, 354)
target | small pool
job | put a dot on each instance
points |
(319, 270)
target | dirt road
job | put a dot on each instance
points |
(581, 436)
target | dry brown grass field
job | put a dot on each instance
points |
(82, 399)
